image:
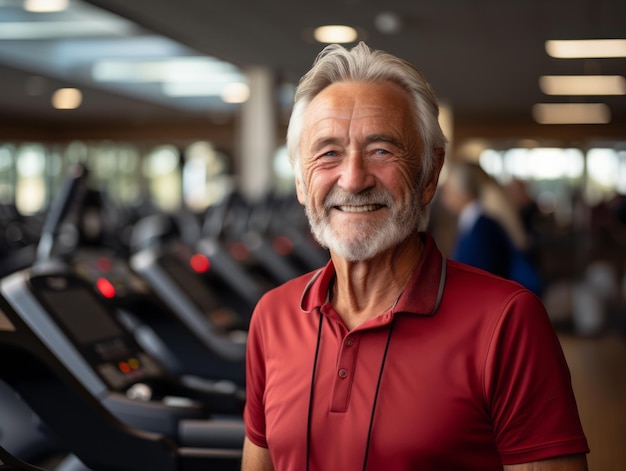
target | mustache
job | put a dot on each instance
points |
(338, 197)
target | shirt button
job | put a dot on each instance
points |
(343, 373)
(348, 342)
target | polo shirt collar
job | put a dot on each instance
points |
(421, 296)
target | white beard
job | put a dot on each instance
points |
(368, 238)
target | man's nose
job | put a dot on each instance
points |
(356, 174)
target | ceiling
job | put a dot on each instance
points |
(483, 57)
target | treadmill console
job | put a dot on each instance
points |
(94, 331)
(190, 281)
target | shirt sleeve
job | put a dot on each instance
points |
(528, 386)
(254, 412)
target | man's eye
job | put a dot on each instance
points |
(382, 151)
(330, 153)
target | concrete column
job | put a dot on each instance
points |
(257, 134)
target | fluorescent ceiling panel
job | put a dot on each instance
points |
(172, 69)
(583, 85)
(335, 34)
(571, 113)
(589, 48)
(90, 47)
(63, 29)
(45, 5)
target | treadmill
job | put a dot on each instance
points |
(64, 312)
(78, 328)
(54, 387)
(193, 331)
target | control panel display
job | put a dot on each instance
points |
(198, 292)
(105, 344)
(86, 319)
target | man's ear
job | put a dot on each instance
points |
(300, 191)
(430, 187)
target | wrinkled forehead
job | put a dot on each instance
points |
(374, 104)
(365, 95)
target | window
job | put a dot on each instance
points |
(283, 172)
(7, 174)
(603, 173)
(30, 190)
(206, 179)
(162, 170)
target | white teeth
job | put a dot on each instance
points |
(359, 209)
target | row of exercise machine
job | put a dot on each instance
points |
(127, 352)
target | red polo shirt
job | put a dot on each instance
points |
(464, 373)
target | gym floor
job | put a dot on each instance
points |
(598, 368)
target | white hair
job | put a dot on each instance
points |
(362, 64)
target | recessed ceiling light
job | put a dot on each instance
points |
(67, 99)
(571, 113)
(339, 34)
(45, 6)
(583, 85)
(588, 48)
(236, 92)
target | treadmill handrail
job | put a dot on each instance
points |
(188, 312)
(58, 211)
(8, 462)
(15, 290)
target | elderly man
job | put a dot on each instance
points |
(391, 357)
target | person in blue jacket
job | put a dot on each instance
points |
(482, 241)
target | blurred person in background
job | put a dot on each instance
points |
(528, 212)
(490, 235)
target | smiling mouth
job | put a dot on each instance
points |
(366, 208)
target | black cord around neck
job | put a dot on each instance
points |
(378, 383)
(374, 404)
(310, 412)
